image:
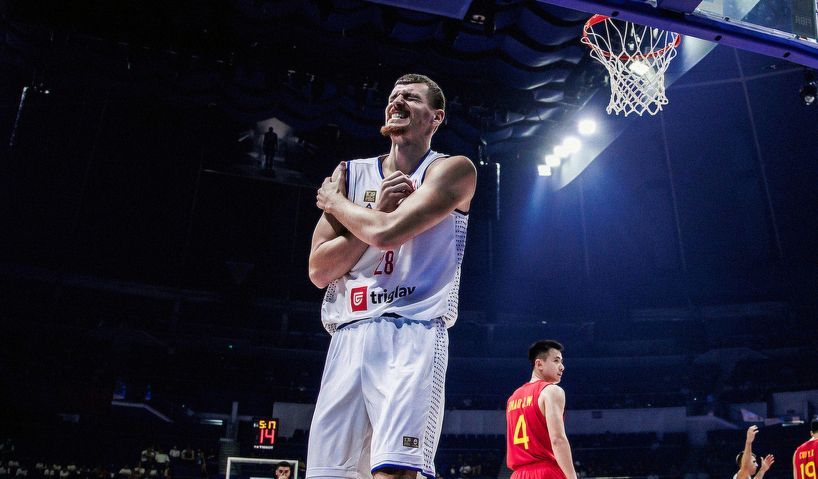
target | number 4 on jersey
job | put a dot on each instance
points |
(520, 434)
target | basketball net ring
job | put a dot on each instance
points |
(636, 58)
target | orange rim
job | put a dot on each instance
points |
(599, 18)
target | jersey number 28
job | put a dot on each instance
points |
(386, 264)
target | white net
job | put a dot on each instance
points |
(636, 58)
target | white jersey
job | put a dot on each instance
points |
(418, 279)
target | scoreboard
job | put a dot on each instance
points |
(265, 433)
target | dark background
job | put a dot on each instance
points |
(139, 245)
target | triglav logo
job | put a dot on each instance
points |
(357, 298)
(389, 296)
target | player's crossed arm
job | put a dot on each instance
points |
(334, 249)
(450, 184)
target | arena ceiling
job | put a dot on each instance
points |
(513, 70)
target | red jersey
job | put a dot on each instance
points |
(805, 458)
(527, 440)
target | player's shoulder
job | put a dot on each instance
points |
(454, 161)
(450, 168)
(552, 391)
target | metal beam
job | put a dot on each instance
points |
(456, 9)
(684, 6)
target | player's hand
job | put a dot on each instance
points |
(751, 433)
(334, 187)
(394, 189)
(768, 461)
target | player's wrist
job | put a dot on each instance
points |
(332, 204)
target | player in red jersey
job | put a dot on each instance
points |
(806, 456)
(535, 432)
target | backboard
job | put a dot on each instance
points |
(786, 18)
(783, 29)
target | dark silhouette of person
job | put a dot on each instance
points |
(270, 148)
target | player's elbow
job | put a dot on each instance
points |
(558, 441)
(318, 276)
(319, 283)
(385, 238)
(318, 280)
(383, 242)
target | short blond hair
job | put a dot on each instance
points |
(436, 98)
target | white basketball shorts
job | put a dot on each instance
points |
(381, 399)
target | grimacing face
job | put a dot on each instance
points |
(408, 112)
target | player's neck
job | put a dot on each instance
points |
(405, 157)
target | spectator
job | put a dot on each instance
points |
(465, 470)
(188, 454)
(147, 456)
(283, 470)
(270, 148)
(161, 459)
(201, 463)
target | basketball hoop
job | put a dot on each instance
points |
(636, 58)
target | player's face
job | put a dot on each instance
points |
(283, 473)
(408, 113)
(551, 367)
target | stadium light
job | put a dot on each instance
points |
(572, 144)
(561, 151)
(586, 127)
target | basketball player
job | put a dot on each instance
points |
(536, 444)
(388, 247)
(747, 462)
(806, 456)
